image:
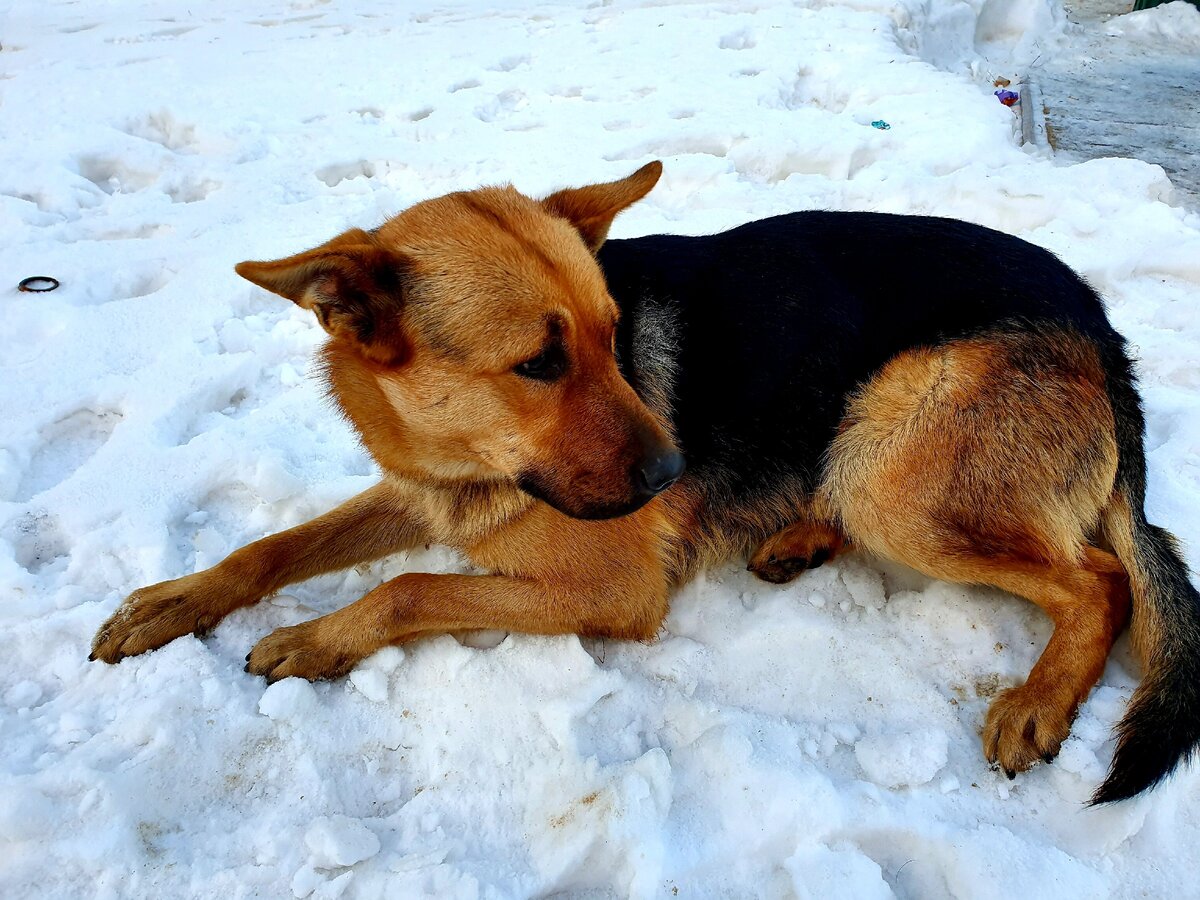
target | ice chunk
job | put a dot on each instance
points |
(291, 698)
(339, 841)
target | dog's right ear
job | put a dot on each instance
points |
(354, 286)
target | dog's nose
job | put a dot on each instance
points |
(660, 471)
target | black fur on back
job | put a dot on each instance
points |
(778, 321)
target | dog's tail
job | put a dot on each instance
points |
(1161, 727)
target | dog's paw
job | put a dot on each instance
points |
(781, 571)
(308, 650)
(153, 616)
(798, 547)
(1024, 726)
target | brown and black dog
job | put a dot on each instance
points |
(930, 391)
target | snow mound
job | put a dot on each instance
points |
(1018, 31)
(1177, 23)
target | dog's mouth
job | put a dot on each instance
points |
(535, 487)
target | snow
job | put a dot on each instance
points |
(893, 761)
(1176, 23)
(288, 700)
(340, 841)
(1018, 31)
(815, 740)
(1124, 85)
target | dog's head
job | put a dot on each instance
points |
(472, 337)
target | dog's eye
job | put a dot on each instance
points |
(546, 366)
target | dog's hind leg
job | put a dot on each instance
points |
(988, 461)
(1089, 602)
(366, 527)
(814, 538)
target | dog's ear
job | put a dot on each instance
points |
(592, 209)
(354, 286)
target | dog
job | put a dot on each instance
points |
(593, 421)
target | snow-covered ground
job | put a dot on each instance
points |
(816, 740)
(1128, 85)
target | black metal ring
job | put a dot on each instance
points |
(30, 284)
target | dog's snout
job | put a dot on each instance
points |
(660, 470)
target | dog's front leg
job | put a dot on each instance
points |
(600, 579)
(366, 527)
(417, 605)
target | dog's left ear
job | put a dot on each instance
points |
(355, 287)
(592, 209)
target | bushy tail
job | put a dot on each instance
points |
(1161, 728)
(1162, 725)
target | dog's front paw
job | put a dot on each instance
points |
(155, 615)
(1024, 726)
(308, 650)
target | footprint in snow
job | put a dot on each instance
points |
(37, 541)
(335, 174)
(218, 410)
(501, 106)
(163, 128)
(114, 175)
(190, 188)
(63, 447)
(141, 282)
(509, 63)
(738, 40)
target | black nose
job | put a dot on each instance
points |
(660, 471)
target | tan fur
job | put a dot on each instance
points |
(707, 540)
(487, 277)
(983, 433)
(1146, 629)
(555, 576)
(961, 463)
(366, 527)
(812, 539)
(1089, 604)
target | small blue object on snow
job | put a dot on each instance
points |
(881, 125)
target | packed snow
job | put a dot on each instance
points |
(156, 412)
